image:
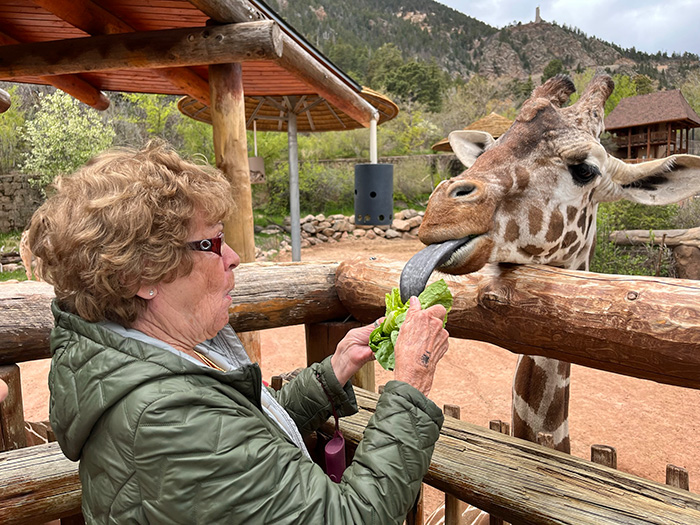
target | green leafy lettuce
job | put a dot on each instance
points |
(383, 338)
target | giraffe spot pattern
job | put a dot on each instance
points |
(571, 213)
(534, 220)
(522, 178)
(556, 227)
(512, 231)
(569, 239)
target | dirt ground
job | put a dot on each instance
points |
(649, 424)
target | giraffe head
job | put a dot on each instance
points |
(531, 196)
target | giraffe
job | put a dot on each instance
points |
(531, 197)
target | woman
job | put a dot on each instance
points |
(152, 391)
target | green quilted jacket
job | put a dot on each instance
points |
(163, 440)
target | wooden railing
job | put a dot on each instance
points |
(525, 309)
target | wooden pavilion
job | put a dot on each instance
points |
(217, 52)
(652, 126)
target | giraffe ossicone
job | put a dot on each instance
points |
(531, 197)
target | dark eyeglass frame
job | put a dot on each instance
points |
(208, 245)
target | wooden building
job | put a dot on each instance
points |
(652, 126)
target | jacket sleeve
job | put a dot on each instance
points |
(306, 402)
(201, 460)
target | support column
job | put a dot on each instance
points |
(294, 185)
(231, 148)
(373, 141)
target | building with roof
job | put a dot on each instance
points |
(652, 126)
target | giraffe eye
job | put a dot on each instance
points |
(583, 173)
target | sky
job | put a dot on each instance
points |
(647, 25)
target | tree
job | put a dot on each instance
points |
(624, 87)
(62, 135)
(11, 123)
(383, 64)
(643, 85)
(552, 69)
(691, 90)
(417, 82)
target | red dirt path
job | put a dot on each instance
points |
(649, 424)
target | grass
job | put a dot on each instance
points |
(18, 275)
(9, 243)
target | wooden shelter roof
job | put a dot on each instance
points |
(653, 108)
(493, 123)
(314, 113)
(288, 66)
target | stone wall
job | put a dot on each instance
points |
(18, 200)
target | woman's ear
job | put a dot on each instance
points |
(147, 291)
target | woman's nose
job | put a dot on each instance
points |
(233, 260)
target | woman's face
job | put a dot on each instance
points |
(194, 308)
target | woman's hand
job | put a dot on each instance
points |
(421, 343)
(353, 352)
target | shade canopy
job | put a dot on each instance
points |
(314, 112)
(493, 123)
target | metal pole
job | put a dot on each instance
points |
(373, 140)
(294, 185)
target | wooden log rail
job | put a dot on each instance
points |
(519, 481)
(638, 326)
(687, 237)
(266, 296)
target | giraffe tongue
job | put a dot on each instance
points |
(417, 271)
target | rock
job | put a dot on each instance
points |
(416, 221)
(343, 225)
(370, 235)
(308, 218)
(359, 233)
(309, 228)
(323, 225)
(400, 225)
(321, 237)
(378, 231)
(392, 234)
(320, 217)
(328, 232)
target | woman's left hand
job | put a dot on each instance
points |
(353, 352)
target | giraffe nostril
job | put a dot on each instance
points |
(463, 190)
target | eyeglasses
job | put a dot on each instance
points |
(208, 245)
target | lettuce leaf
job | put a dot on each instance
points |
(383, 338)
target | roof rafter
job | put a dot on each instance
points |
(96, 20)
(232, 43)
(75, 86)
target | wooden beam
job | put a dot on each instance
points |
(296, 60)
(153, 49)
(523, 482)
(637, 326)
(5, 101)
(37, 485)
(231, 150)
(71, 84)
(96, 20)
(687, 237)
(266, 296)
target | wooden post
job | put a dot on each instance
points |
(604, 455)
(276, 382)
(453, 507)
(321, 340)
(415, 515)
(231, 148)
(677, 477)
(504, 428)
(294, 211)
(11, 411)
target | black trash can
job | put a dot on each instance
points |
(374, 194)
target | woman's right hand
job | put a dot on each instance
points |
(421, 343)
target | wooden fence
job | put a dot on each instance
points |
(642, 327)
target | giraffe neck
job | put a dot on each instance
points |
(541, 399)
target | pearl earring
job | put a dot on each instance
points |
(151, 293)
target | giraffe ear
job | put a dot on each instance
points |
(468, 145)
(661, 181)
